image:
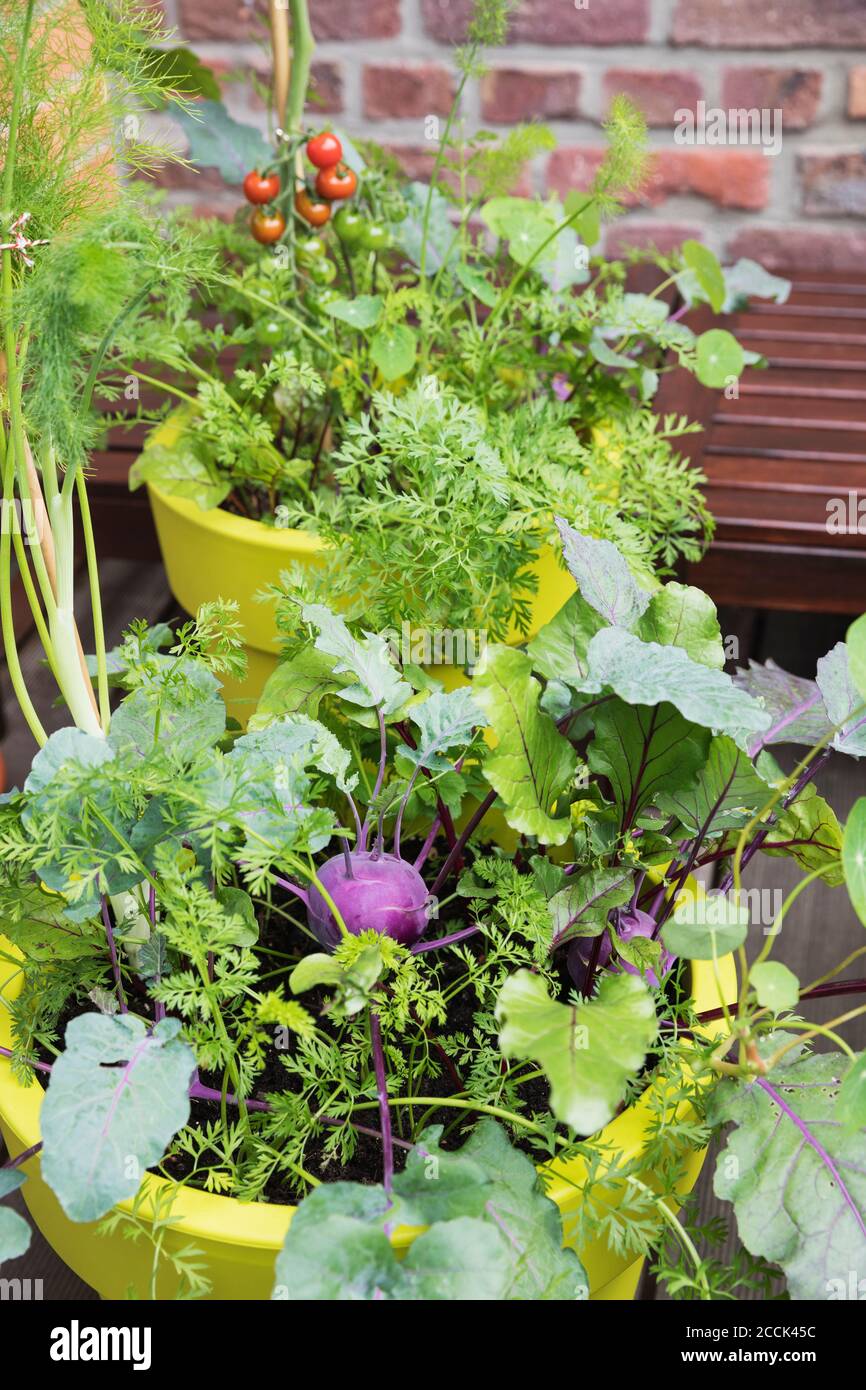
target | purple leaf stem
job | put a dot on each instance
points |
(443, 940)
(115, 967)
(23, 1156)
(384, 1108)
(293, 888)
(40, 1066)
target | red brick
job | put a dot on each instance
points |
(417, 162)
(800, 248)
(773, 24)
(547, 21)
(857, 94)
(325, 94)
(665, 237)
(659, 95)
(834, 184)
(406, 90)
(525, 94)
(331, 19)
(730, 178)
(796, 92)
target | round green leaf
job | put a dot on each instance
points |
(719, 358)
(393, 351)
(854, 857)
(776, 987)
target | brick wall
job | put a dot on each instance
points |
(382, 66)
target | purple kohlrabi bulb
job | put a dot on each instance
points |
(383, 894)
(635, 923)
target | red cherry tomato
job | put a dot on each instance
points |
(324, 150)
(267, 227)
(315, 213)
(261, 188)
(338, 181)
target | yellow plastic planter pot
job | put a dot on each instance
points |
(239, 1240)
(216, 554)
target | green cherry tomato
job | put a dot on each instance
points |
(316, 302)
(375, 237)
(311, 248)
(269, 332)
(321, 272)
(350, 226)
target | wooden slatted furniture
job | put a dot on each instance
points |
(793, 440)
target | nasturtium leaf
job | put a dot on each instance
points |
(794, 704)
(603, 577)
(117, 1096)
(524, 223)
(297, 686)
(477, 283)
(444, 720)
(581, 907)
(701, 260)
(589, 1052)
(795, 1176)
(377, 681)
(719, 358)
(183, 469)
(851, 1105)
(218, 141)
(855, 641)
(644, 673)
(558, 650)
(532, 765)
(706, 926)
(854, 857)
(643, 751)
(776, 987)
(394, 350)
(14, 1230)
(681, 616)
(361, 312)
(723, 794)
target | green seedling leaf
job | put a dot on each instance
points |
(854, 857)
(706, 926)
(720, 358)
(394, 350)
(776, 987)
(701, 260)
(362, 312)
(588, 1053)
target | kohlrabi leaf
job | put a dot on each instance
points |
(188, 715)
(117, 1096)
(794, 704)
(558, 650)
(183, 469)
(810, 833)
(724, 794)
(66, 749)
(845, 705)
(218, 141)
(441, 239)
(747, 280)
(854, 857)
(681, 616)
(443, 721)
(532, 765)
(588, 1053)
(377, 681)
(795, 1176)
(644, 751)
(855, 641)
(706, 926)
(851, 1105)
(297, 686)
(582, 906)
(294, 743)
(14, 1230)
(644, 673)
(603, 577)
(459, 1260)
(776, 987)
